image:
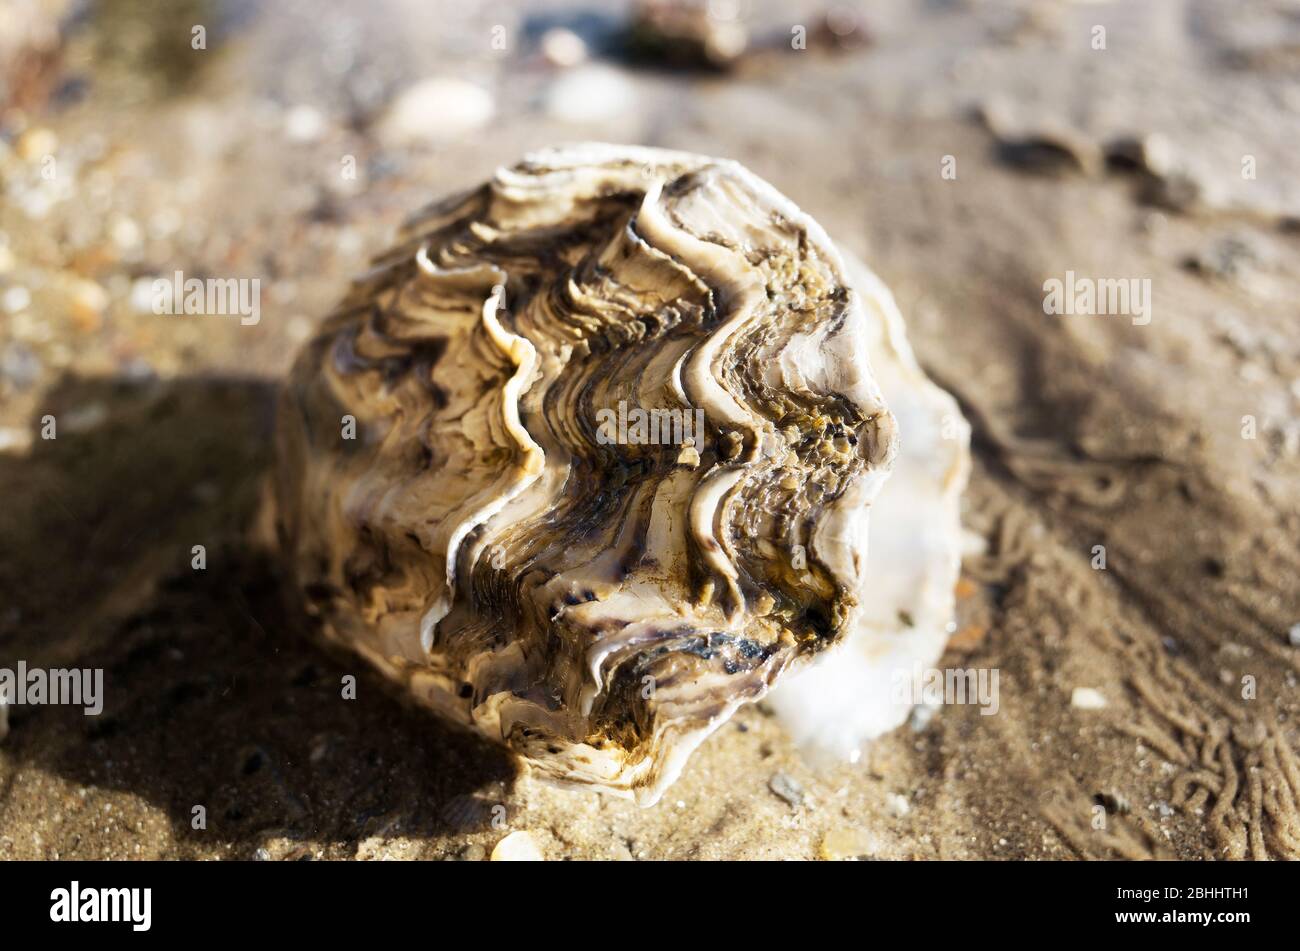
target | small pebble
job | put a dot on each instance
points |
(1293, 635)
(304, 124)
(1178, 191)
(563, 48)
(590, 94)
(897, 805)
(1150, 153)
(517, 847)
(786, 788)
(126, 234)
(15, 299)
(1087, 698)
(20, 367)
(142, 295)
(437, 110)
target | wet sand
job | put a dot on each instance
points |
(1173, 443)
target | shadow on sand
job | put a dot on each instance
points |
(213, 696)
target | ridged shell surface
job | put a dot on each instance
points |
(586, 461)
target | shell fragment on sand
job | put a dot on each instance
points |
(615, 436)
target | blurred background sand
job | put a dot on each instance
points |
(127, 154)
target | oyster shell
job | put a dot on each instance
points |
(686, 33)
(599, 596)
(914, 547)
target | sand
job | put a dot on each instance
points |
(1147, 707)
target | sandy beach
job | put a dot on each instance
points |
(1133, 514)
